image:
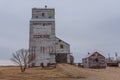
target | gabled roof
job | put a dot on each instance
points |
(91, 54)
(63, 41)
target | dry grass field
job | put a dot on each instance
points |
(62, 72)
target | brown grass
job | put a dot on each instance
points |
(62, 72)
(13, 73)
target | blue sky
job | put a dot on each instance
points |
(87, 25)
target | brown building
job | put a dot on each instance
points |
(94, 60)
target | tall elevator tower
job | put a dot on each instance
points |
(42, 37)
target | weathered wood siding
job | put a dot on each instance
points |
(96, 60)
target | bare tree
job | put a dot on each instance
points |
(20, 57)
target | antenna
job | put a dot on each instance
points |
(116, 55)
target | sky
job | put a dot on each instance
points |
(87, 25)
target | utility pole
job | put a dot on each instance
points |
(109, 56)
(116, 55)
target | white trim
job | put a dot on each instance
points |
(42, 19)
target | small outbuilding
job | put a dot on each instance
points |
(94, 60)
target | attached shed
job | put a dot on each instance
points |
(94, 60)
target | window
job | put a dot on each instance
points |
(40, 49)
(50, 17)
(43, 49)
(36, 16)
(61, 46)
(43, 14)
(60, 40)
(96, 59)
(41, 64)
(33, 49)
(33, 64)
(44, 24)
(85, 61)
(49, 23)
(51, 49)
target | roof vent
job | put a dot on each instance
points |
(45, 6)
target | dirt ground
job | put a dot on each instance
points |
(62, 72)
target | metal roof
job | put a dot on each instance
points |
(89, 55)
